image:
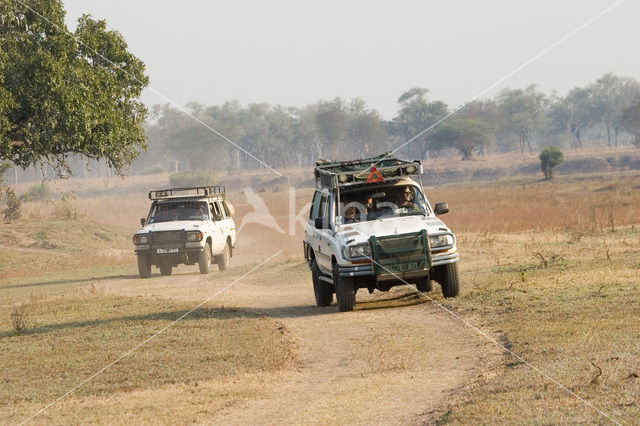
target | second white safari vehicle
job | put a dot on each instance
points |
(186, 226)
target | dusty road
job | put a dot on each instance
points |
(396, 359)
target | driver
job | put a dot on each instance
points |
(405, 197)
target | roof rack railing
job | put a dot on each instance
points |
(333, 174)
(191, 191)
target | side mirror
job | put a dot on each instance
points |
(321, 223)
(217, 217)
(143, 221)
(441, 208)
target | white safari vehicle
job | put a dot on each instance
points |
(372, 227)
(186, 225)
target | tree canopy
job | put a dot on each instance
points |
(62, 95)
(465, 135)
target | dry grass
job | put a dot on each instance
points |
(70, 338)
(569, 308)
(551, 266)
(580, 204)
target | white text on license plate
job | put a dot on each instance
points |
(172, 250)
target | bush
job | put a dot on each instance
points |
(64, 209)
(550, 157)
(37, 192)
(153, 170)
(192, 178)
(13, 210)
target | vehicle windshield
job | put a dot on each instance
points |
(178, 210)
(367, 204)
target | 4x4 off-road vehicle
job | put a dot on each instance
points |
(372, 227)
(186, 225)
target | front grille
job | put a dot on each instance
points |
(168, 237)
(401, 253)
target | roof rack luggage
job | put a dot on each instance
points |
(193, 191)
(335, 174)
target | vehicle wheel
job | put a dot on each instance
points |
(144, 266)
(223, 259)
(322, 290)
(204, 259)
(165, 269)
(449, 280)
(345, 290)
(425, 285)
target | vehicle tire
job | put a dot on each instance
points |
(204, 259)
(144, 266)
(425, 285)
(165, 269)
(322, 290)
(449, 281)
(223, 259)
(345, 290)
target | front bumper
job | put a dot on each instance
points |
(159, 250)
(367, 270)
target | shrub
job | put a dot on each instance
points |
(153, 170)
(192, 178)
(37, 192)
(13, 210)
(64, 209)
(550, 157)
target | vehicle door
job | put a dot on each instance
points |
(229, 211)
(218, 235)
(322, 237)
(226, 222)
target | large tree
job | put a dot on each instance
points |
(417, 114)
(64, 94)
(465, 135)
(573, 114)
(524, 111)
(611, 95)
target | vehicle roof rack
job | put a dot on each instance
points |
(335, 174)
(192, 191)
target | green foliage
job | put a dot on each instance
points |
(524, 112)
(59, 96)
(153, 170)
(37, 192)
(192, 178)
(416, 114)
(465, 135)
(550, 157)
(13, 209)
(13, 206)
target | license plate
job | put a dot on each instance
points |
(403, 267)
(172, 250)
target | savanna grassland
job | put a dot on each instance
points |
(549, 270)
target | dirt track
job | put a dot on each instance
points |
(396, 359)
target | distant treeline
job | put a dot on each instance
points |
(603, 113)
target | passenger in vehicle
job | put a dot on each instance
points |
(405, 197)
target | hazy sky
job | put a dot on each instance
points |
(298, 52)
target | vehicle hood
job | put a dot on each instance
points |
(175, 225)
(361, 231)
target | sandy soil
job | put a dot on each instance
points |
(396, 359)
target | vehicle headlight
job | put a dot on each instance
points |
(360, 250)
(440, 240)
(140, 239)
(194, 236)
